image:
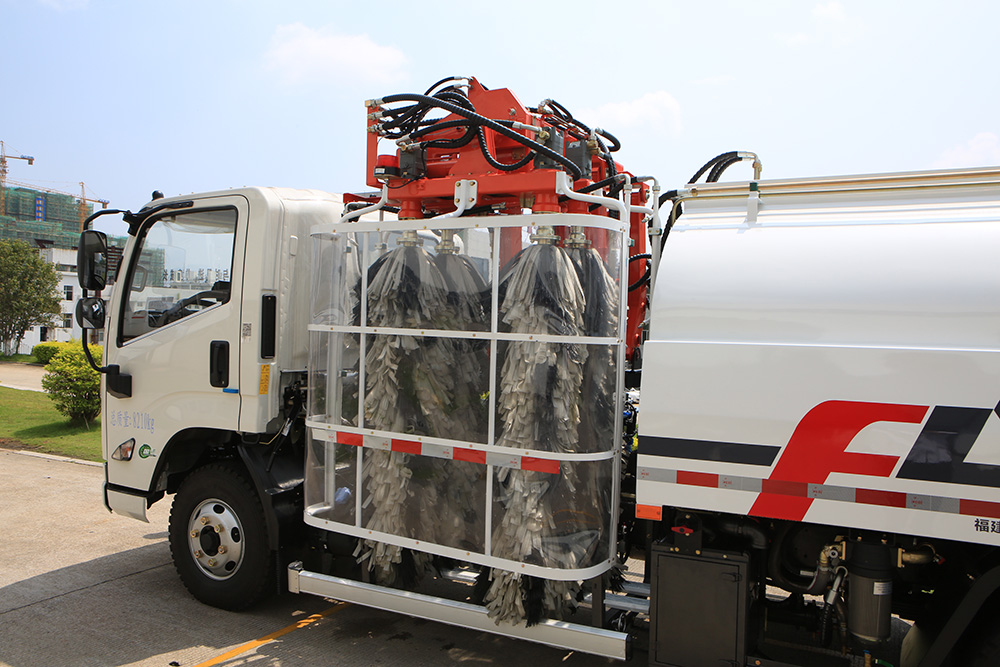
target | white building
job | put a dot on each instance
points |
(64, 327)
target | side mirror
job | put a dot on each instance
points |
(92, 261)
(90, 313)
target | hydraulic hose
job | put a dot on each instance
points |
(645, 277)
(491, 124)
(711, 163)
(720, 167)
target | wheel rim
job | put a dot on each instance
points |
(215, 538)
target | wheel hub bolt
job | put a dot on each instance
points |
(218, 528)
(197, 554)
(212, 562)
(204, 520)
(194, 533)
(222, 548)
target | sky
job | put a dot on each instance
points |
(182, 96)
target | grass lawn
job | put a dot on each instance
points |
(20, 358)
(28, 420)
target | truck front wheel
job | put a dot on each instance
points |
(218, 538)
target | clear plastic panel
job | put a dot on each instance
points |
(547, 395)
(331, 480)
(426, 385)
(559, 520)
(439, 501)
(336, 285)
(333, 377)
(425, 282)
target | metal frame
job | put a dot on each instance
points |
(558, 634)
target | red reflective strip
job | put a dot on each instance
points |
(406, 446)
(698, 479)
(355, 439)
(783, 487)
(979, 508)
(875, 497)
(471, 455)
(540, 465)
(650, 512)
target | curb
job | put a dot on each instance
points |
(52, 457)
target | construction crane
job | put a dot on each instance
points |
(81, 198)
(82, 209)
(3, 174)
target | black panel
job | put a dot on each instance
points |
(939, 453)
(268, 325)
(708, 450)
(699, 609)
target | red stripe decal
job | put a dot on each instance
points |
(406, 446)
(355, 439)
(698, 479)
(980, 508)
(471, 455)
(875, 497)
(785, 488)
(540, 465)
(818, 447)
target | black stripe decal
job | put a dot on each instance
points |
(708, 450)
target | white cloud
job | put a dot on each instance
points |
(831, 11)
(831, 25)
(982, 150)
(300, 54)
(657, 109)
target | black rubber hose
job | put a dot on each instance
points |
(444, 80)
(645, 277)
(711, 163)
(746, 529)
(826, 625)
(615, 144)
(720, 167)
(493, 125)
(496, 163)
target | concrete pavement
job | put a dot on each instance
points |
(21, 376)
(80, 586)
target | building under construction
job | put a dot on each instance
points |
(42, 219)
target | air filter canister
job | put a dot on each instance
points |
(869, 604)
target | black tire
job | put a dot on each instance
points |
(980, 645)
(218, 538)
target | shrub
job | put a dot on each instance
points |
(44, 352)
(73, 386)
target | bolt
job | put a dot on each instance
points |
(218, 528)
(222, 548)
(198, 554)
(212, 562)
(194, 533)
(204, 520)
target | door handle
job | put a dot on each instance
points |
(218, 363)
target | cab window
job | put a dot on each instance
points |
(181, 268)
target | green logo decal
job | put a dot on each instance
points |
(145, 452)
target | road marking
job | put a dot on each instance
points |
(249, 646)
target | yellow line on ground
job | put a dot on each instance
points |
(249, 646)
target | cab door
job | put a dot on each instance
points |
(175, 329)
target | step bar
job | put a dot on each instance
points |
(558, 634)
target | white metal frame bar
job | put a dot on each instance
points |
(559, 634)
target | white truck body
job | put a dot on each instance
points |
(836, 360)
(820, 373)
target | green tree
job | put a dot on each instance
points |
(73, 386)
(28, 295)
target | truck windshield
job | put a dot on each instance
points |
(181, 267)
